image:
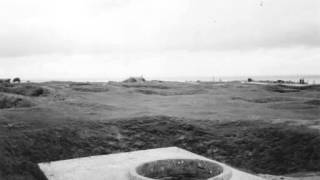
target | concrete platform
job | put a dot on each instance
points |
(116, 166)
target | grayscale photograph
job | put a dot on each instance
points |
(159, 90)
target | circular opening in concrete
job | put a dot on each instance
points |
(179, 169)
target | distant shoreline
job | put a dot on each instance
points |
(311, 79)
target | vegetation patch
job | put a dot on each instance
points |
(80, 83)
(173, 92)
(26, 89)
(13, 102)
(255, 146)
(145, 85)
(294, 106)
(93, 105)
(315, 102)
(281, 89)
(314, 87)
(263, 100)
(88, 87)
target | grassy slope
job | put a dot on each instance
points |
(227, 122)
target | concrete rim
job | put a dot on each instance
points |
(225, 175)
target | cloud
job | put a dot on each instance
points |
(81, 39)
(91, 27)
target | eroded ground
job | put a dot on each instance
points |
(256, 128)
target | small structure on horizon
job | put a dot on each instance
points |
(16, 80)
(280, 81)
(135, 80)
(302, 81)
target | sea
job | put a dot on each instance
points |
(310, 79)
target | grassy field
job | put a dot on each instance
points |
(260, 129)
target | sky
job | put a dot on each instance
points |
(108, 39)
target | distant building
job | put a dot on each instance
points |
(302, 81)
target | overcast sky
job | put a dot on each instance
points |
(103, 39)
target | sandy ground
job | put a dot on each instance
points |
(224, 121)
